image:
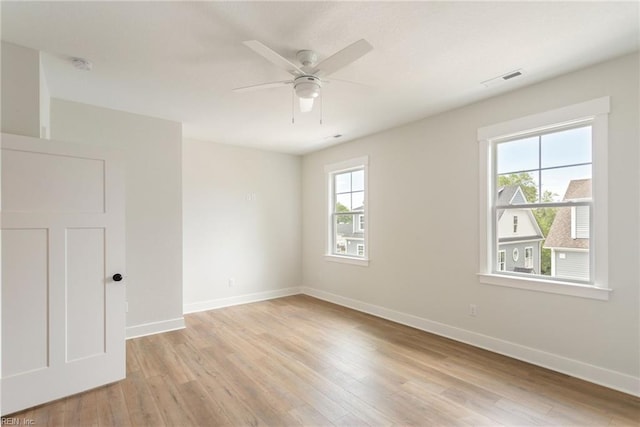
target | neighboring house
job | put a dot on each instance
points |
(519, 236)
(568, 236)
(350, 235)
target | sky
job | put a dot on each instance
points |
(559, 151)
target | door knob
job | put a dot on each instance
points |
(117, 277)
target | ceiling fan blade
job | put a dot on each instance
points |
(343, 58)
(351, 82)
(263, 86)
(273, 57)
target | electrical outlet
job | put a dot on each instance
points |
(473, 310)
(126, 306)
(232, 282)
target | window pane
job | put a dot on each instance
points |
(568, 147)
(348, 240)
(357, 201)
(518, 155)
(343, 202)
(568, 183)
(357, 180)
(508, 193)
(343, 182)
(553, 240)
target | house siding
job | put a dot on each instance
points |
(510, 264)
(575, 265)
(582, 222)
(518, 198)
(351, 236)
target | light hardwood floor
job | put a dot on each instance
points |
(301, 361)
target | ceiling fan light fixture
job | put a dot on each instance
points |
(307, 87)
(306, 104)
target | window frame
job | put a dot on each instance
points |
(330, 171)
(501, 260)
(595, 113)
(528, 260)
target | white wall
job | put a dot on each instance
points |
(20, 90)
(242, 221)
(423, 204)
(45, 102)
(152, 151)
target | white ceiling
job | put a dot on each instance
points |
(181, 60)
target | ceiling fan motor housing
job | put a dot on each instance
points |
(307, 86)
(307, 57)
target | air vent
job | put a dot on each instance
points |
(503, 78)
(512, 75)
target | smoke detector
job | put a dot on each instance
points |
(81, 64)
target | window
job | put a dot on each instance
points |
(347, 196)
(515, 255)
(502, 260)
(550, 169)
(528, 257)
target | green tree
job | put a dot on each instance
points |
(525, 181)
(343, 219)
(545, 217)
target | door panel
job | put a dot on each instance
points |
(62, 221)
(38, 173)
(24, 260)
(85, 292)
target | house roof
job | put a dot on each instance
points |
(560, 232)
(520, 238)
(506, 195)
(512, 194)
(578, 189)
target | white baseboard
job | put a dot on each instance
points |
(154, 327)
(240, 299)
(575, 368)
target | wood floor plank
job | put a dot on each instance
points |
(299, 361)
(171, 403)
(82, 409)
(205, 410)
(112, 406)
(141, 405)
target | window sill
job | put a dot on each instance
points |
(548, 286)
(347, 260)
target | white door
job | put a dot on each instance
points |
(63, 315)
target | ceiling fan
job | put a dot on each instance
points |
(307, 79)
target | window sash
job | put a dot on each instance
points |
(351, 234)
(334, 231)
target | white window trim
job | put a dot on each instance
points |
(504, 255)
(530, 259)
(594, 111)
(330, 170)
